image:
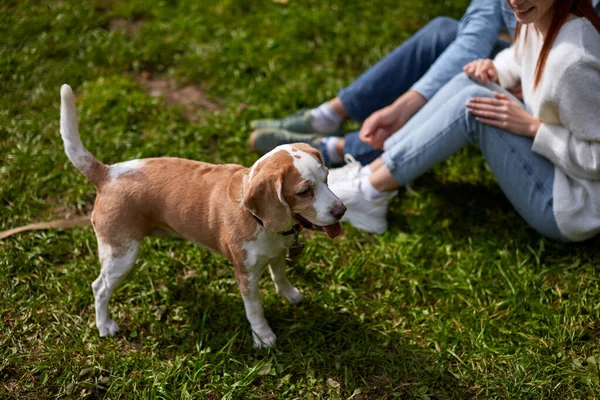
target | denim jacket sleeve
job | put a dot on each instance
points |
(477, 35)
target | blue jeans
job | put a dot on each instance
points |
(384, 82)
(445, 126)
(391, 77)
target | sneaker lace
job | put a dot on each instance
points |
(352, 167)
(349, 159)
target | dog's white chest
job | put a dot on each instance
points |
(265, 247)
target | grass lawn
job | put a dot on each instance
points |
(460, 299)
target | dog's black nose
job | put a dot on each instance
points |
(338, 211)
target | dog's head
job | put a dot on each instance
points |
(289, 185)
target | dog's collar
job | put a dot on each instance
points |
(296, 248)
(295, 229)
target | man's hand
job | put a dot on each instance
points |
(482, 70)
(505, 113)
(380, 125)
(383, 123)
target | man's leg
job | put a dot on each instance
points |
(387, 80)
(376, 88)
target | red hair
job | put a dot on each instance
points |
(561, 9)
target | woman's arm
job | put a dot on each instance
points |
(574, 145)
(508, 67)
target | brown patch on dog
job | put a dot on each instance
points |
(294, 183)
(304, 206)
(191, 98)
(316, 154)
(96, 173)
(201, 203)
(264, 193)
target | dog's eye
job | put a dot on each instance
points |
(305, 193)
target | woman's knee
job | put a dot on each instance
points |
(468, 88)
(460, 89)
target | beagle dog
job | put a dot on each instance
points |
(249, 215)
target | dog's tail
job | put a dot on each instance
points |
(82, 159)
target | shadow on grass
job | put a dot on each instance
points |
(460, 208)
(315, 341)
(322, 341)
(482, 215)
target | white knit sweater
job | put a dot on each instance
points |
(567, 101)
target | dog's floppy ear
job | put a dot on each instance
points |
(263, 197)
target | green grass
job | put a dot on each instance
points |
(460, 299)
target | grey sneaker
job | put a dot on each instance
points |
(264, 140)
(298, 122)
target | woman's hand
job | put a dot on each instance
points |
(381, 125)
(482, 70)
(505, 113)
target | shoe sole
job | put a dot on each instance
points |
(274, 124)
(360, 222)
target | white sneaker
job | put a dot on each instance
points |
(368, 215)
(352, 169)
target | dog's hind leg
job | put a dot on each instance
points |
(117, 258)
(282, 284)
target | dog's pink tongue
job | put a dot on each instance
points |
(333, 230)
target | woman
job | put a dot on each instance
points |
(545, 154)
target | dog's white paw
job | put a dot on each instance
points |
(293, 295)
(110, 328)
(267, 339)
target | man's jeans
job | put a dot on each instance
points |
(444, 126)
(384, 82)
(387, 80)
(391, 77)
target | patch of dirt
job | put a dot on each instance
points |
(65, 212)
(131, 28)
(191, 98)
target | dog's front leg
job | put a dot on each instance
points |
(261, 331)
(282, 284)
